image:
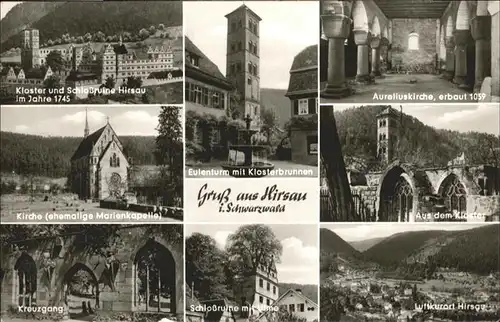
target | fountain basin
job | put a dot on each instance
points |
(254, 170)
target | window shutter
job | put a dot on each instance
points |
(295, 107)
(311, 104)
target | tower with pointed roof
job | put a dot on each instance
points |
(243, 62)
(387, 134)
(86, 131)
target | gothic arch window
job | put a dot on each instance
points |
(454, 194)
(114, 161)
(413, 41)
(154, 275)
(402, 200)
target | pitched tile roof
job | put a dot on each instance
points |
(304, 72)
(85, 147)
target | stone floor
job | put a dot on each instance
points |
(400, 83)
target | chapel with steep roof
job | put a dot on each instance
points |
(99, 167)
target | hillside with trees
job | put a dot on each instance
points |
(51, 156)
(364, 245)
(473, 250)
(420, 144)
(332, 243)
(95, 20)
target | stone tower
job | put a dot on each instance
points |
(387, 134)
(30, 51)
(243, 62)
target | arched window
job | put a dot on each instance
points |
(454, 194)
(111, 161)
(413, 41)
(402, 200)
(26, 280)
(118, 162)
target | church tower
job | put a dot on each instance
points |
(87, 130)
(30, 51)
(387, 134)
(242, 59)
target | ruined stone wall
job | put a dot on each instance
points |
(424, 57)
(365, 200)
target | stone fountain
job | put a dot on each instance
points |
(248, 168)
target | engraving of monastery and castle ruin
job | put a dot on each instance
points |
(402, 191)
(140, 271)
(140, 66)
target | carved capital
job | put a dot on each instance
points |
(481, 27)
(361, 37)
(375, 42)
(336, 26)
(450, 42)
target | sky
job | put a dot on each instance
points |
(5, 7)
(70, 121)
(287, 27)
(299, 261)
(462, 118)
(357, 232)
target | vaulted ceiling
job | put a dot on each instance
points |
(412, 8)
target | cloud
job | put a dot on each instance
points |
(79, 117)
(21, 128)
(299, 263)
(221, 238)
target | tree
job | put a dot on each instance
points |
(87, 37)
(143, 33)
(100, 36)
(236, 104)
(152, 30)
(55, 61)
(169, 149)
(51, 82)
(335, 171)
(205, 267)
(254, 245)
(268, 118)
(110, 82)
(161, 27)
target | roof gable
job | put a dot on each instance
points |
(204, 63)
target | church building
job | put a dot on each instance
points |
(99, 167)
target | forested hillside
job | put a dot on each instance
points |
(50, 156)
(473, 250)
(108, 17)
(420, 143)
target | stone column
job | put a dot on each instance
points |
(495, 53)
(362, 40)
(336, 28)
(481, 33)
(461, 38)
(389, 57)
(375, 46)
(450, 58)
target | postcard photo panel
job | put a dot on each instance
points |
(251, 105)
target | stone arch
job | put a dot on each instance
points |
(442, 44)
(449, 27)
(454, 193)
(463, 16)
(79, 299)
(25, 281)
(396, 183)
(385, 33)
(360, 16)
(154, 276)
(375, 27)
